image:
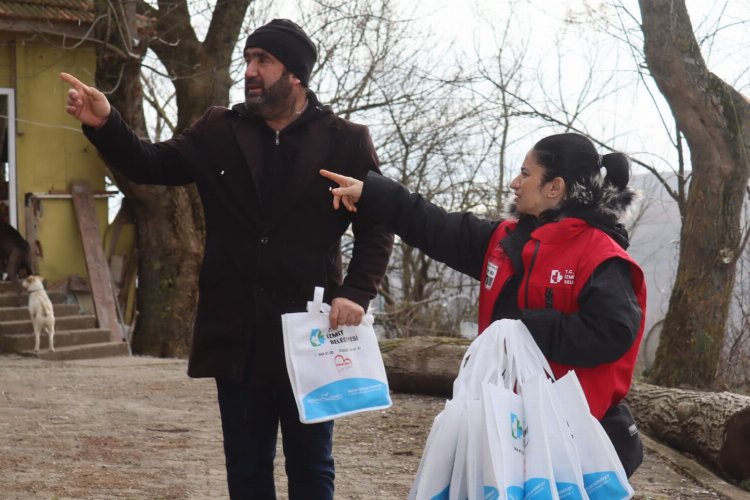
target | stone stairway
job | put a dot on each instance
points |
(76, 333)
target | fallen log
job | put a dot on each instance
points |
(423, 365)
(714, 427)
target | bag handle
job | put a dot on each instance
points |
(480, 364)
(526, 361)
(316, 305)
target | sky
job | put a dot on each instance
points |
(467, 24)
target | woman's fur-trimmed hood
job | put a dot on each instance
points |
(604, 206)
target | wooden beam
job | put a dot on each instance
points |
(32, 210)
(96, 264)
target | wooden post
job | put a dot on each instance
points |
(32, 211)
(96, 264)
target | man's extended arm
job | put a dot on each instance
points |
(139, 160)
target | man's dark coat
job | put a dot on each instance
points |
(268, 243)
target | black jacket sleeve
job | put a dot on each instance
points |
(140, 161)
(603, 329)
(458, 239)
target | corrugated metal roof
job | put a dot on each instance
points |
(64, 11)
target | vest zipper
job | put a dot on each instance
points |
(548, 298)
(528, 274)
(277, 137)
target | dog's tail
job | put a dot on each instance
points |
(48, 310)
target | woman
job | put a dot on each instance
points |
(558, 263)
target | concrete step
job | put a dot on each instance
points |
(11, 299)
(7, 286)
(25, 341)
(85, 351)
(21, 313)
(76, 335)
(80, 322)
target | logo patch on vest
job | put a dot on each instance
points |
(491, 273)
(566, 276)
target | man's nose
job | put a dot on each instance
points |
(252, 69)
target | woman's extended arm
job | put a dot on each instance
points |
(458, 239)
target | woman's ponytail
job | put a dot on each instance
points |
(618, 170)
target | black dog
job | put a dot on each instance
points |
(15, 254)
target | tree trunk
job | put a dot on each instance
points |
(714, 119)
(713, 426)
(199, 70)
(167, 237)
(169, 220)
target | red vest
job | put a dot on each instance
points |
(558, 260)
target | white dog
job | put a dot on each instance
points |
(40, 310)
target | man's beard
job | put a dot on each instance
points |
(274, 102)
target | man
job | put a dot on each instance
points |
(271, 238)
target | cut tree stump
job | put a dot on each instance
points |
(714, 427)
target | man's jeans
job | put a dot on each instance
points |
(250, 418)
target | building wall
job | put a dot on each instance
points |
(5, 60)
(51, 150)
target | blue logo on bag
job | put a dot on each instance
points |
(317, 337)
(491, 493)
(514, 493)
(443, 495)
(516, 429)
(341, 397)
(603, 485)
(568, 491)
(537, 488)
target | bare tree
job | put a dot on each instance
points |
(714, 119)
(622, 24)
(169, 220)
(504, 73)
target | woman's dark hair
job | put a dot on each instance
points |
(574, 158)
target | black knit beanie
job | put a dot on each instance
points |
(286, 41)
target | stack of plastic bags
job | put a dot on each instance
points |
(513, 432)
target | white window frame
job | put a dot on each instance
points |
(11, 131)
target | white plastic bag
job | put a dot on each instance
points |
(539, 478)
(552, 465)
(476, 485)
(566, 463)
(603, 475)
(503, 467)
(333, 373)
(433, 479)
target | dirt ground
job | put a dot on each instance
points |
(139, 428)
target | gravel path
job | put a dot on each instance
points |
(139, 428)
